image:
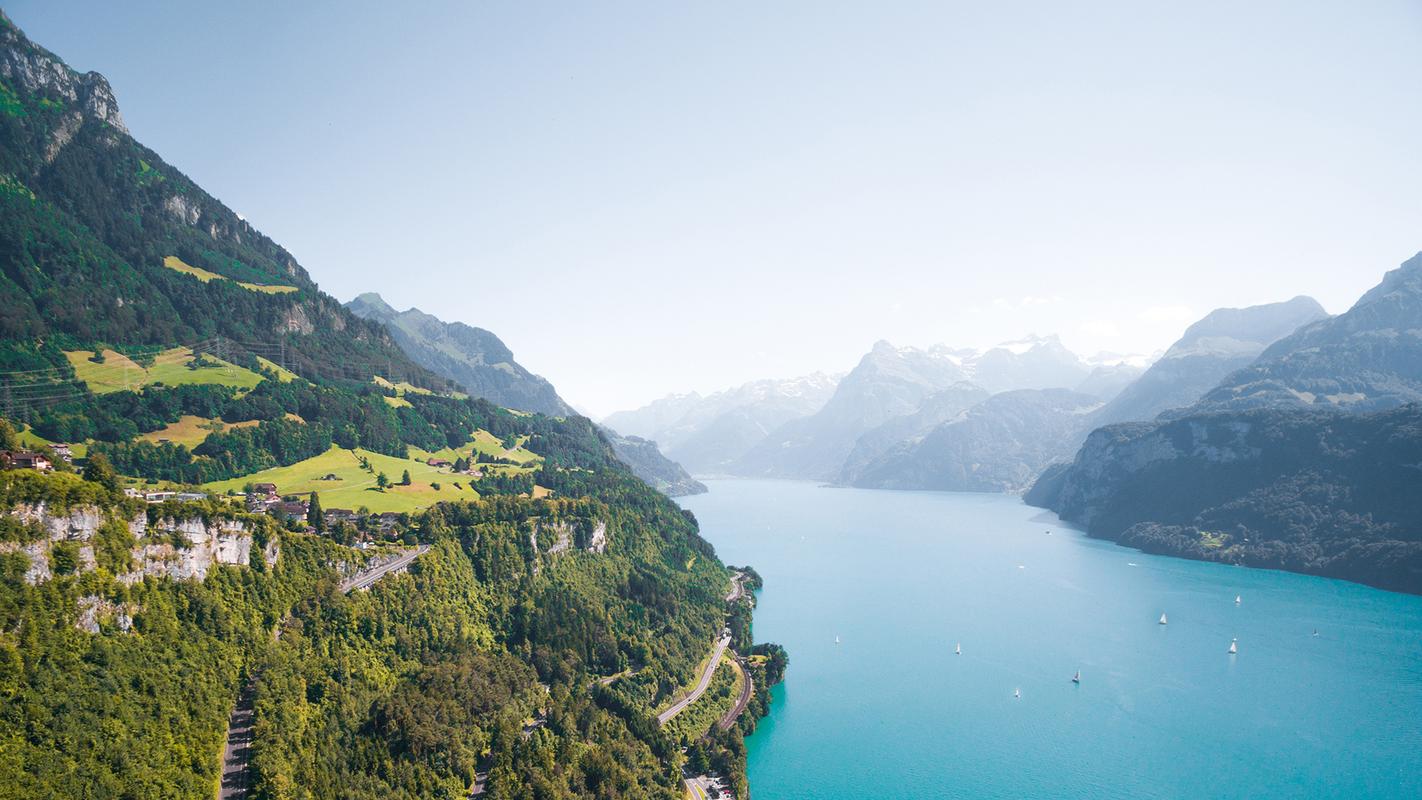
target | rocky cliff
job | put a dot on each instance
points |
(1308, 491)
(171, 547)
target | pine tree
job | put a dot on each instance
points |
(405, 479)
(314, 517)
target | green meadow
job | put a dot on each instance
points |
(170, 368)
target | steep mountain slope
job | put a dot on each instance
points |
(472, 357)
(1224, 340)
(935, 410)
(102, 241)
(707, 434)
(1368, 358)
(1106, 381)
(888, 382)
(997, 445)
(1302, 490)
(648, 463)
(1270, 468)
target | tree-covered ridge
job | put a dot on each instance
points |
(402, 691)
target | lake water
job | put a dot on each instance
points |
(1161, 711)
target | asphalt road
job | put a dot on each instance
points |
(236, 777)
(701, 685)
(361, 580)
(738, 587)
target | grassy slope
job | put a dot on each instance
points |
(177, 264)
(357, 487)
(29, 438)
(283, 375)
(190, 430)
(119, 372)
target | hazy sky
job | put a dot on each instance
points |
(654, 197)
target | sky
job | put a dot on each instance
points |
(644, 198)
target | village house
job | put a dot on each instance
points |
(335, 515)
(438, 462)
(260, 503)
(64, 452)
(389, 520)
(24, 459)
(158, 497)
(262, 497)
(290, 509)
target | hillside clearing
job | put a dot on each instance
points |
(170, 368)
(206, 276)
(190, 430)
(355, 487)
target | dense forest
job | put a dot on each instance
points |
(402, 691)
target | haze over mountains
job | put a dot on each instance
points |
(953, 418)
(823, 428)
(1306, 459)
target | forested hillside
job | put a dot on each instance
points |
(547, 605)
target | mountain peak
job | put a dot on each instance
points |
(370, 303)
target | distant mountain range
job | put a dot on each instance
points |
(1306, 459)
(888, 382)
(821, 428)
(708, 434)
(998, 444)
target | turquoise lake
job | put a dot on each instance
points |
(1162, 711)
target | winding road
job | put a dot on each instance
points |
(701, 685)
(736, 593)
(742, 700)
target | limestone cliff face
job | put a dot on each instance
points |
(181, 549)
(563, 534)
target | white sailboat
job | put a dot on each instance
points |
(958, 651)
(1077, 677)
(1234, 647)
(1162, 619)
(1236, 599)
(1017, 693)
(836, 638)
